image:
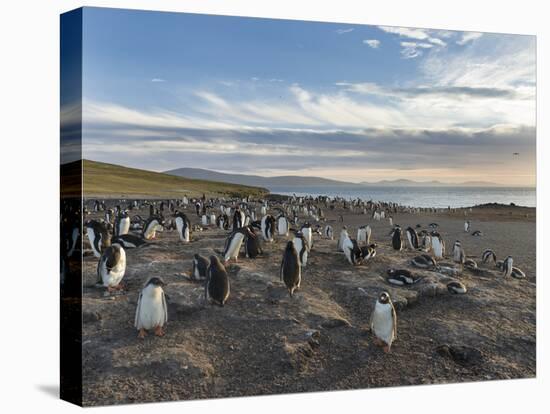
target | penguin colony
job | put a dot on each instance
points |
(250, 226)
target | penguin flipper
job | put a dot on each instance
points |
(164, 307)
(138, 310)
(394, 318)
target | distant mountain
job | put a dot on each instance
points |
(108, 180)
(289, 181)
(256, 180)
(411, 183)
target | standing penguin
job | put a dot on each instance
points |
(233, 244)
(397, 238)
(252, 247)
(151, 312)
(111, 267)
(291, 272)
(217, 282)
(268, 227)
(282, 225)
(238, 218)
(183, 226)
(122, 223)
(458, 253)
(438, 245)
(200, 267)
(343, 236)
(328, 232)
(508, 266)
(98, 236)
(467, 226)
(412, 238)
(300, 244)
(352, 251)
(383, 322)
(363, 235)
(308, 234)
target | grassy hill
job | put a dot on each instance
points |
(109, 180)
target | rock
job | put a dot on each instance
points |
(90, 317)
(335, 323)
(462, 355)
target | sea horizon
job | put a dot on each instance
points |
(422, 196)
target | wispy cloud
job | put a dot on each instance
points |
(343, 31)
(411, 33)
(468, 37)
(413, 49)
(158, 80)
(374, 43)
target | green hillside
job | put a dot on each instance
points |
(109, 180)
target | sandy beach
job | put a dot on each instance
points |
(264, 342)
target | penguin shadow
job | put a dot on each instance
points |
(52, 390)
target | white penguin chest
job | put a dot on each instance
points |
(382, 322)
(152, 312)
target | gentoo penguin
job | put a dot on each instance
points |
(183, 226)
(204, 220)
(390, 220)
(223, 222)
(308, 234)
(151, 226)
(111, 267)
(412, 238)
(470, 264)
(151, 312)
(456, 287)
(438, 245)
(217, 282)
(507, 266)
(252, 247)
(352, 251)
(517, 273)
(98, 236)
(402, 277)
(328, 232)
(300, 244)
(363, 235)
(397, 238)
(282, 225)
(128, 241)
(383, 323)
(268, 227)
(291, 272)
(75, 236)
(487, 255)
(499, 264)
(425, 241)
(200, 267)
(212, 219)
(433, 225)
(477, 233)
(424, 261)
(368, 252)
(238, 218)
(343, 236)
(467, 226)
(263, 210)
(233, 243)
(458, 253)
(122, 223)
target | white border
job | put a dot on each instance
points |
(29, 131)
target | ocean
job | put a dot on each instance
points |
(436, 196)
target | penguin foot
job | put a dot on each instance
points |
(142, 333)
(378, 341)
(386, 349)
(159, 331)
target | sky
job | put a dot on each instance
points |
(281, 97)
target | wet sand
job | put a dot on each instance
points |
(263, 342)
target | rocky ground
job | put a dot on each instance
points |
(264, 342)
